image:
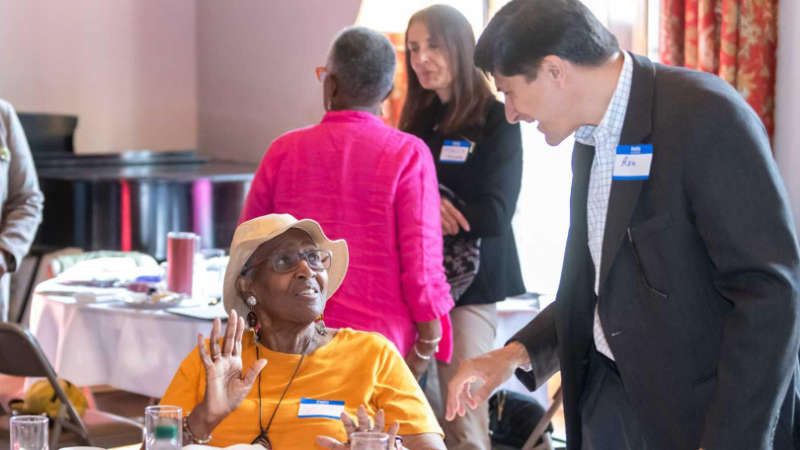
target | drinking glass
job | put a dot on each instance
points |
(181, 248)
(369, 440)
(212, 268)
(163, 427)
(29, 433)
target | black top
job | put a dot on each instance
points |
(489, 183)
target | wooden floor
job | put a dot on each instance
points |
(121, 403)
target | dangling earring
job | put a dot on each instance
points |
(252, 320)
(320, 326)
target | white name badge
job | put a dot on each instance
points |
(455, 152)
(330, 409)
(633, 162)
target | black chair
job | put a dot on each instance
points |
(23, 281)
(49, 133)
(21, 355)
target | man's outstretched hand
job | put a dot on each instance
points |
(491, 369)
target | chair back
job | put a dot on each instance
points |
(22, 282)
(21, 355)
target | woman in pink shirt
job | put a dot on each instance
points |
(374, 186)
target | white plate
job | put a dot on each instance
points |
(142, 301)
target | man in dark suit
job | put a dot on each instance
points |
(675, 325)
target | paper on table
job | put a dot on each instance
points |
(205, 312)
(53, 287)
(517, 305)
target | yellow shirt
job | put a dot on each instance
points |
(355, 367)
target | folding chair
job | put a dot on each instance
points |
(21, 355)
(540, 430)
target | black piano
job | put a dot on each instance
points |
(130, 200)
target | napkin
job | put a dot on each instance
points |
(231, 447)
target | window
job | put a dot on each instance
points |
(541, 222)
(392, 16)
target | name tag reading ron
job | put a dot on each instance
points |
(455, 152)
(330, 409)
(633, 162)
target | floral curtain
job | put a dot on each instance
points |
(735, 39)
(393, 105)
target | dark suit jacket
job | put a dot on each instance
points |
(698, 282)
(489, 182)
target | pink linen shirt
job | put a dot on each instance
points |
(375, 187)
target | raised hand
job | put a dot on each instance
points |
(226, 383)
(364, 424)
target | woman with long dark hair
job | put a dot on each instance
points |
(478, 157)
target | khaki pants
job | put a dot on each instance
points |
(474, 330)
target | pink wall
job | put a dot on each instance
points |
(127, 68)
(256, 69)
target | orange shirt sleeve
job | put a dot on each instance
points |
(400, 397)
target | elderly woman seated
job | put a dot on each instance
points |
(281, 378)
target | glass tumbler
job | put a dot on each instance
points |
(29, 432)
(369, 440)
(181, 248)
(163, 427)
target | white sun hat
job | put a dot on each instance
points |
(251, 234)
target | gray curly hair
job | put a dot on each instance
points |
(363, 61)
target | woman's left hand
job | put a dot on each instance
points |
(417, 365)
(364, 424)
(452, 219)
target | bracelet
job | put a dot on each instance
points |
(429, 341)
(191, 435)
(425, 357)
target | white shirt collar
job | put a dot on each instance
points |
(611, 124)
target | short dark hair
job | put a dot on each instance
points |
(523, 32)
(364, 62)
(471, 92)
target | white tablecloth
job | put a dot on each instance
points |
(109, 343)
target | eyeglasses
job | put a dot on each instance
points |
(318, 259)
(321, 73)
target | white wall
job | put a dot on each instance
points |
(787, 107)
(255, 69)
(125, 67)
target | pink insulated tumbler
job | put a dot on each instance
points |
(181, 247)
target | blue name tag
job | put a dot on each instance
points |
(330, 409)
(455, 152)
(633, 162)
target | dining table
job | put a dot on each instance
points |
(106, 342)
